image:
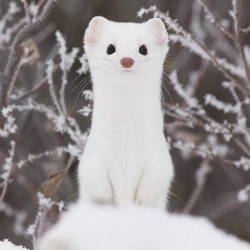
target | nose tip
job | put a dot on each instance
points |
(127, 62)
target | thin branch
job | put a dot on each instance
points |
(49, 73)
(8, 165)
(13, 57)
(37, 87)
(33, 91)
(214, 20)
(13, 80)
(237, 30)
(201, 175)
(5, 186)
(173, 25)
(246, 30)
(34, 157)
(225, 207)
(27, 14)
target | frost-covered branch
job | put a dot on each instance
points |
(13, 58)
(200, 178)
(193, 128)
(237, 30)
(7, 167)
(34, 95)
(211, 17)
(41, 223)
(193, 43)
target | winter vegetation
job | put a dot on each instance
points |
(46, 107)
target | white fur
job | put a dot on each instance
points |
(88, 227)
(126, 158)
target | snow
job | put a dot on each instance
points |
(84, 64)
(243, 162)
(6, 245)
(67, 59)
(243, 194)
(219, 105)
(96, 227)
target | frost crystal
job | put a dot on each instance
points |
(243, 194)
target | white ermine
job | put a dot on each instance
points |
(126, 158)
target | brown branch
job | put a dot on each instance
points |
(226, 206)
(200, 184)
(8, 172)
(246, 30)
(173, 25)
(5, 186)
(26, 184)
(239, 40)
(14, 58)
(13, 81)
(216, 21)
(36, 88)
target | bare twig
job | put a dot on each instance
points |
(42, 222)
(201, 175)
(8, 166)
(214, 20)
(33, 91)
(5, 186)
(237, 30)
(13, 57)
(34, 157)
(36, 88)
(13, 80)
(226, 206)
(49, 73)
(27, 14)
(174, 26)
(246, 30)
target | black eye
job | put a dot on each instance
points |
(143, 50)
(111, 49)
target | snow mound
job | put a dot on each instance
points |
(7, 245)
(87, 226)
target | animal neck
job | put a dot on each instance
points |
(117, 103)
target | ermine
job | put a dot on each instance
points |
(92, 227)
(126, 158)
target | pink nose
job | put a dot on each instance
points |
(127, 62)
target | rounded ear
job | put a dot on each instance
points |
(159, 30)
(94, 29)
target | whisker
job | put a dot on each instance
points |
(166, 77)
(87, 72)
(171, 56)
(81, 91)
(84, 80)
(163, 76)
(97, 67)
(152, 59)
(169, 69)
(165, 63)
(175, 63)
(168, 93)
(162, 99)
(104, 59)
(94, 68)
(73, 195)
(176, 196)
(76, 78)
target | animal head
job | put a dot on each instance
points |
(125, 49)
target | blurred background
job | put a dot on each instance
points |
(212, 174)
